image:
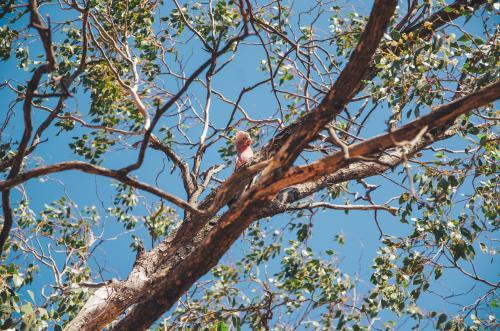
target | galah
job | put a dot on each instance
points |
(244, 153)
(243, 148)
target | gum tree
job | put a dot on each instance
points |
(385, 109)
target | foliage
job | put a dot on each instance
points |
(204, 70)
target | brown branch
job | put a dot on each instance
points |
(7, 219)
(46, 37)
(326, 205)
(96, 170)
(354, 171)
(187, 178)
(288, 144)
(438, 118)
(338, 96)
(65, 83)
(425, 28)
(449, 12)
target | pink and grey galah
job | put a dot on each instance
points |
(243, 148)
(244, 154)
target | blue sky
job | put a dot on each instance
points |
(358, 228)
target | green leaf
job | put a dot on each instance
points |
(438, 272)
(465, 38)
(222, 326)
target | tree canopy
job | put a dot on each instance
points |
(122, 208)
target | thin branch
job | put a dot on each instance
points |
(46, 37)
(96, 170)
(173, 100)
(326, 205)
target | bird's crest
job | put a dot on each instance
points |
(241, 135)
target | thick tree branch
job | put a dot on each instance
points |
(232, 185)
(438, 19)
(45, 35)
(65, 84)
(342, 91)
(7, 219)
(292, 140)
(438, 118)
(354, 171)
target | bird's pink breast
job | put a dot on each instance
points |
(244, 156)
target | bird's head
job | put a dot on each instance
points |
(243, 140)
